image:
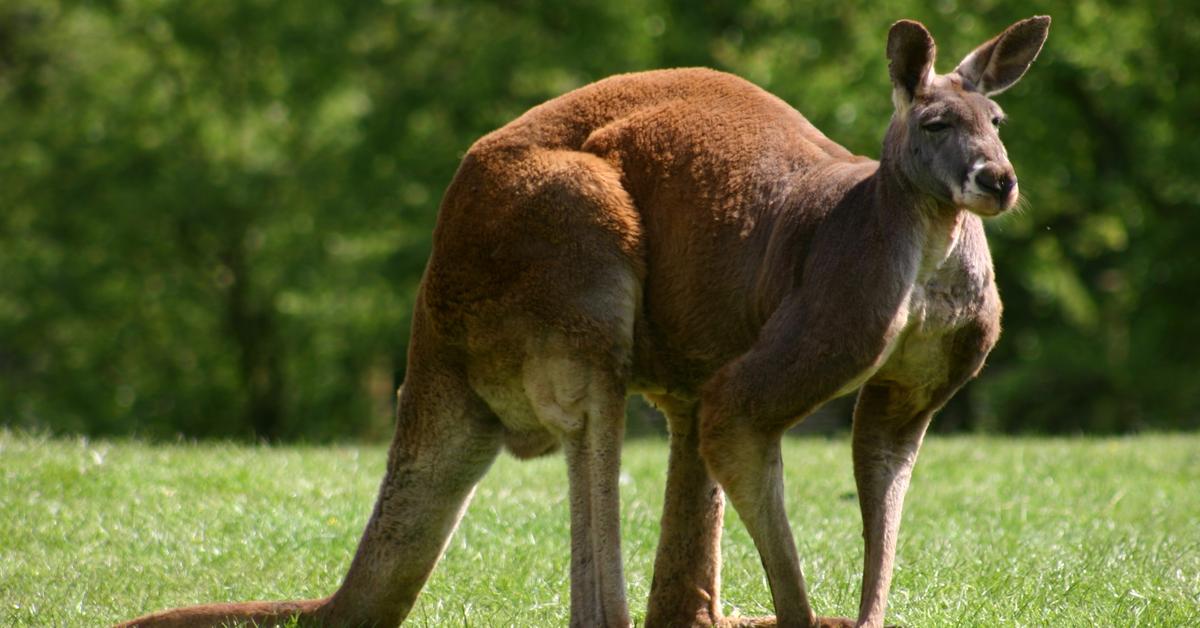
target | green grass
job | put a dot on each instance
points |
(1030, 532)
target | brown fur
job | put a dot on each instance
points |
(685, 234)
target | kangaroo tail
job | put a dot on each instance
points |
(251, 613)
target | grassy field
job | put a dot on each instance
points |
(997, 532)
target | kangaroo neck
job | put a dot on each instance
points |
(937, 225)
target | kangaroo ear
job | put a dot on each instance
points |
(910, 51)
(1002, 61)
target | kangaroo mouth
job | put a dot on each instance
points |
(985, 203)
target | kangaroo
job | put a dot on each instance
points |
(685, 235)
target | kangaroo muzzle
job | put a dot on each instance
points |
(990, 187)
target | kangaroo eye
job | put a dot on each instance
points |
(997, 121)
(935, 127)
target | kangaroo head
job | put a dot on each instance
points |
(945, 133)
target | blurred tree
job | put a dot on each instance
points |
(213, 215)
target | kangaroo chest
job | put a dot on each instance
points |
(950, 291)
(940, 304)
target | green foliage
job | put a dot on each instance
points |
(997, 532)
(213, 215)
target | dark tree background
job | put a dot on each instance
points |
(214, 215)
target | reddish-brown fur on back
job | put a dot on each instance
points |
(715, 186)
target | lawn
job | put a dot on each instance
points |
(1037, 532)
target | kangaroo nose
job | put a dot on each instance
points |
(996, 180)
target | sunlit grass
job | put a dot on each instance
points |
(997, 532)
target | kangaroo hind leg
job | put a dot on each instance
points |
(585, 405)
(685, 590)
(555, 281)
